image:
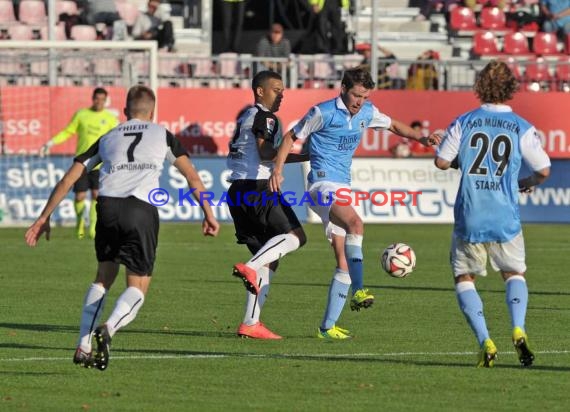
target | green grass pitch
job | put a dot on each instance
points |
(413, 350)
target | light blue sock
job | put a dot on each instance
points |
(517, 299)
(338, 292)
(472, 307)
(353, 252)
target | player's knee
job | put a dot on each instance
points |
(300, 233)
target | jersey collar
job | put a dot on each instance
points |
(262, 107)
(340, 105)
(496, 107)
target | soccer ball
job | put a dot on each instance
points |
(398, 260)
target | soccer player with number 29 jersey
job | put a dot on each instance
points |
(488, 145)
(132, 157)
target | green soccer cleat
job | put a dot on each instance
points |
(334, 333)
(488, 354)
(80, 228)
(361, 299)
(520, 341)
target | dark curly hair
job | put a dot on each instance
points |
(496, 83)
(358, 75)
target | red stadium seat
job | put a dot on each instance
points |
(537, 76)
(7, 16)
(485, 44)
(516, 44)
(545, 44)
(128, 12)
(59, 32)
(66, 6)
(462, 18)
(20, 32)
(32, 12)
(492, 18)
(563, 74)
(83, 32)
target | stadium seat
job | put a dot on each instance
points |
(202, 71)
(513, 64)
(485, 44)
(66, 6)
(537, 76)
(545, 44)
(20, 32)
(59, 32)
(516, 44)
(107, 70)
(128, 12)
(563, 74)
(7, 16)
(492, 18)
(83, 32)
(32, 12)
(11, 70)
(462, 19)
(229, 70)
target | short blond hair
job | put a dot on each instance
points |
(140, 100)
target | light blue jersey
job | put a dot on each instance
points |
(489, 144)
(334, 136)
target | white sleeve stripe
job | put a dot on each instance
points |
(532, 152)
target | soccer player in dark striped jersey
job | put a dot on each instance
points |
(264, 222)
(132, 157)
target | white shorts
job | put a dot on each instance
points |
(471, 258)
(323, 195)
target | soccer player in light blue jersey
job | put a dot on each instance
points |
(488, 145)
(335, 128)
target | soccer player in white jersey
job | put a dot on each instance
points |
(132, 156)
(264, 222)
(488, 144)
(335, 128)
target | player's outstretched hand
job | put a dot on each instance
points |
(433, 139)
(275, 181)
(210, 227)
(35, 231)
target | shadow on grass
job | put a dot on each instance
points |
(165, 353)
(449, 289)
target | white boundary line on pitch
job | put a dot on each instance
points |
(283, 356)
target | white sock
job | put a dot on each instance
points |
(254, 303)
(275, 248)
(92, 310)
(126, 309)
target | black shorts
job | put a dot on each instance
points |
(262, 218)
(87, 181)
(127, 233)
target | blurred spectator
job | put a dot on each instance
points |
(556, 16)
(411, 148)
(274, 44)
(233, 12)
(429, 7)
(99, 11)
(152, 25)
(387, 67)
(327, 27)
(424, 76)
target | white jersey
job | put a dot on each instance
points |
(243, 158)
(133, 155)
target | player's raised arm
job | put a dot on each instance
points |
(276, 176)
(42, 223)
(210, 225)
(402, 129)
